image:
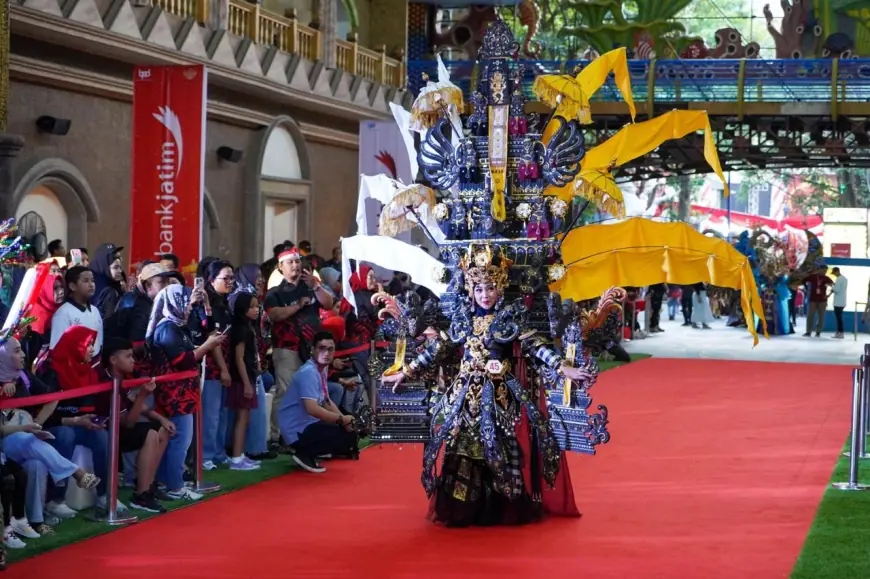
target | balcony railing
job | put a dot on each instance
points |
(374, 65)
(283, 32)
(286, 33)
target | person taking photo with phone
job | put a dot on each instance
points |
(293, 308)
(173, 350)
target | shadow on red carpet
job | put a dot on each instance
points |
(715, 470)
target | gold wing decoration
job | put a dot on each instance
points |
(391, 309)
(610, 302)
(394, 215)
(772, 254)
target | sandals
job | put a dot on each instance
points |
(88, 481)
(42, 529)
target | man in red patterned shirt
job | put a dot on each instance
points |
(293, 308)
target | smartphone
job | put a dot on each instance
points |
(198, 283)
(100, 420)
(76, 255)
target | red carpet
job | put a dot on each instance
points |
(715, 470)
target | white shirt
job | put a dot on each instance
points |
(69, 315)
(840, 291)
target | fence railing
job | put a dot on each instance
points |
(287, 34)
(374, 65)
(737, 81)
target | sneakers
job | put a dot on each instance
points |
(60, 510)
(184, 494)
(11, 541)
(23, 528)
(307, 463)
(243, 463)
(208, 465)
(147, 502)
(102, 503)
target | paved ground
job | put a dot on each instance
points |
(726, 343)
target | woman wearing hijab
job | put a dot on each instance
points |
(220, 281)
(69, 366)
(173, 350)
(50, 297)
(38, 458)
(108, 278)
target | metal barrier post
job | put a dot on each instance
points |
(111, 515)
(865, 405)
(857, 387)
(200, 485)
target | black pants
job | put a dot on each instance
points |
(322, 438)
(838, 313)
(656, 300)
(686, 305)
(792, 308)
(13, 489)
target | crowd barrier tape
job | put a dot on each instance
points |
(90, 390)
(358, 349)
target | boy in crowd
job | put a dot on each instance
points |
(77, 310)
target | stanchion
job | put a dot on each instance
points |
(110, 515)
(865, 405)
(857, 388)
(200, 485)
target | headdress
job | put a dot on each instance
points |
(289, 255)
(481, 266)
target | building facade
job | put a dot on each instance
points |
(288, 96)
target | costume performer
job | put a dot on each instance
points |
(483, 481)
(516, 380)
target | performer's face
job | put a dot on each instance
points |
(485, 295)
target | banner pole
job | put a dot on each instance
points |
(853, 484)
(199, 485)
(111, 515)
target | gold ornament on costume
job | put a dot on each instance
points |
(556, 272)
(479, 268)
(441, 212)
(558, 208)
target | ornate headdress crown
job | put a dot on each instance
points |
(480, 266)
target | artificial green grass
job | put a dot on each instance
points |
(80, 528)
(836, 546)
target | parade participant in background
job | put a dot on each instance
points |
(656, 296)
(173, 350)
(148, 438)
(306, 250)
(245, 374)
(702, 315)
(293, 308)
(220, 281)
(839, 292)
(108, 277)
(77, 310)
(818, 284)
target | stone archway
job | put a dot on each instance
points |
(278, 188)
(60, 179)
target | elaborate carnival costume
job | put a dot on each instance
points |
(511, 401)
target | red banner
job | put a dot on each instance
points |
(168, 176)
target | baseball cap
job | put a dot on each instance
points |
(155, 270)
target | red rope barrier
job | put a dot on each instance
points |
(89, 390)
(358, 349)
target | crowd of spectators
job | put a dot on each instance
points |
(250, 330)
